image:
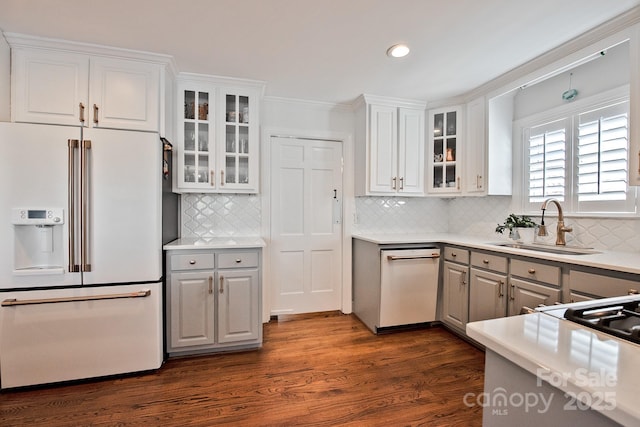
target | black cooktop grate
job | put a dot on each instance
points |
(621, 320)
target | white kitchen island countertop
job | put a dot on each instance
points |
(628, 262)
(579, 361)
(216, 243)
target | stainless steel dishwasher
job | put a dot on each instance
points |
(408, 286)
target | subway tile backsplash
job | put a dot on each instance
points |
(215, 215)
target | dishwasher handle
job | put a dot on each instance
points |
(396, 257)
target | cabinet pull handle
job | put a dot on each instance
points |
(192, 262)
(221, 284)
(393, 183)
(95, 114)
(501, 289)
(458, 183)
(639, 162)
(478, 181)
(221, 178)
(213, 178)
(532, 271)
(81, 113)
(512, 291)
(633, 292)
(402, 183)
(453, 254)
(210, 284)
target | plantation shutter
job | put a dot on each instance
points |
(603, 154)
(547, 165)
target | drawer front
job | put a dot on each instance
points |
(535, 271)
(238, 259)
(600, 285)
(192, 261)
(456, 255)
(490, 262)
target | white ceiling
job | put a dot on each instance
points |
(326, 50)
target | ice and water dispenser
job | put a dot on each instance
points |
(38, 240)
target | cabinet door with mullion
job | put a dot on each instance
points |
(238, 141)
(196, 150)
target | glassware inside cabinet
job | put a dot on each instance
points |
(189, 168)
(189, 104)
(203, 137)
(438, 124)
(189, 136)
(451, 123)
(230, 167)
(203, 106)
(243, 170)
(231, 110)
(203, 168)
(243, 146)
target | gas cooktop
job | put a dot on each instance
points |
(621, 319)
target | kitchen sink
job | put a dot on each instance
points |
(553, 249)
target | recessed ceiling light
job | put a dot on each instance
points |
(398, 50)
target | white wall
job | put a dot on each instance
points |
(5, 80)
(601, 74)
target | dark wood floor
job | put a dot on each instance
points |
(313, 370)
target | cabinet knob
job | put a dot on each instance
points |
(633, 292)
(192, 262)
(486, 261)
(532, 271)
(238, 260)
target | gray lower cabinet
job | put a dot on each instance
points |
(213, 301)
(592, 283)
(487, 286)
(455, 287)
(532, 284)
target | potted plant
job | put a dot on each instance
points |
(521, 227)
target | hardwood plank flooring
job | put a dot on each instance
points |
(314, 370)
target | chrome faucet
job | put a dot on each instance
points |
(561, 229)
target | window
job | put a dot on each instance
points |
(580, 157)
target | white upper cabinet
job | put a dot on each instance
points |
(475, 148)
(218, 137)
(389, 147)
(78, 89)
(124, 94)
(445, 149)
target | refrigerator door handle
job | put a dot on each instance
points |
(85, 174)
(73, 145)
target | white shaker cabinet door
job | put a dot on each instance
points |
(411, 151)
(49, 87)
(124, 94)
(383, 159)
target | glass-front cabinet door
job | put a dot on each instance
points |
(445, 133)
(239, 152)
(195, 138)
(217, 148)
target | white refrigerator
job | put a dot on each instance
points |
(80, 253)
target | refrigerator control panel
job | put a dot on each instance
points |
(47, 216)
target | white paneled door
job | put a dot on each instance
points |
(306, 225)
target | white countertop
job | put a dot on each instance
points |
(570, 357)
(628, 262)
(216, 243)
